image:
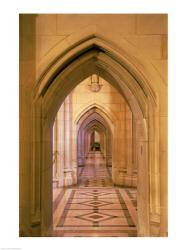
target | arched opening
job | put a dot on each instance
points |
(95, 57)
(95, 142)
(93, 125)
(92, 121)
(95, 148)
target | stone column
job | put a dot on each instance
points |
(58, 148)
(128, 138)
(55, 150)
(73, 141)
(82, 147)
(86, 144)
(69, 178)
(79, 148)
(60, 145)
(89, 143)
(104, 147)
(143, 199)
(119, 154)
(67, 133)
(108, 148)
(134, 153)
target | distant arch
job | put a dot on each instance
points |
(94, 116)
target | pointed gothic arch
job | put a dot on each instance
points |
(90, 116)
(120, 64)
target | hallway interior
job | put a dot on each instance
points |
(89, 197)
(94, 207)
(93, 125)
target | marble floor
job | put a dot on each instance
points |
(95, 207)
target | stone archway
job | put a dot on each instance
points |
(95, 55)
(91, 116)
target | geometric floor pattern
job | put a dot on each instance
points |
(95, 208)
(95, 175)
(96, 212)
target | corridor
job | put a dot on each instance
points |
(94, 207)
(93, 125)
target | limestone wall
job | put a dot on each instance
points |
(147, 32)
(42, 39)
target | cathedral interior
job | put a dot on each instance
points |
(93, 125)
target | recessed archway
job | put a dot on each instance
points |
(95, 55)
(92, 116)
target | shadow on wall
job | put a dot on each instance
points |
(27, 55)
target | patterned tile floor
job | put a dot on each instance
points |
(95, 175)
(95, 207)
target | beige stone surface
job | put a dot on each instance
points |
(136, 59)
(27, 24)
(163, 134)
(165, 46)
(45, 43)
(151, 24)
(149, 45)
(46, 24)
(67, 24)
(162, 68)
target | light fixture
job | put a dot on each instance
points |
(95, 86)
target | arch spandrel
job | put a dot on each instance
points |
(85, 67)
(113, 45)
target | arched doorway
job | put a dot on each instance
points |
(95, 56)
(95, 142)
(94, 119)
(93, 172)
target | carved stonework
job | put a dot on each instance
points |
(95, 86)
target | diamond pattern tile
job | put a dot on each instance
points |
(95, 217)
(95, 203)
(95, 207)
(96, 193)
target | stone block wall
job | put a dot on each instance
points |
(43, 37)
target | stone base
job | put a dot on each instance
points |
(34, 231)
(154, 229)
(126, 181)
(55, 183)
(69, 179)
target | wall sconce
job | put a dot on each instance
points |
(95, 86)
